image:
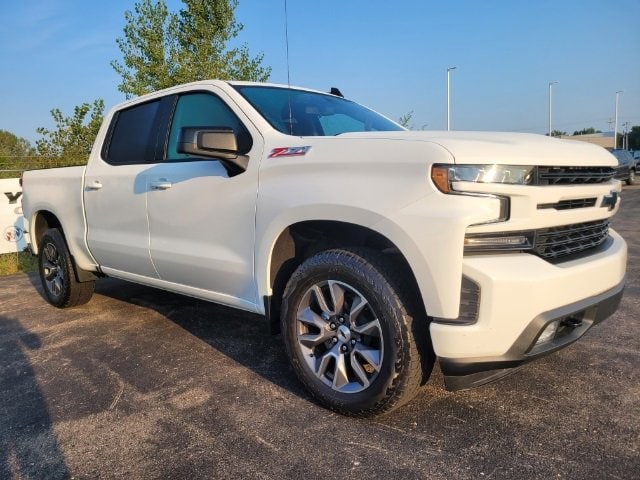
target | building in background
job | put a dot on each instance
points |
(603, 139)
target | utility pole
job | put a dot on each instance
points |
(449, 97)
(615, 129)
(550, 85)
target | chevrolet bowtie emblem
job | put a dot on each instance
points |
(611, 200)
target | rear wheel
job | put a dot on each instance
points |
(349, 334)
(57, 275)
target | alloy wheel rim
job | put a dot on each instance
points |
(52, 270)
(339, 336)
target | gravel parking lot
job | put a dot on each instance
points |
(145, 384)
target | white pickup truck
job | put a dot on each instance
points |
(375, 250)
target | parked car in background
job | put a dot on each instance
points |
(626, 169)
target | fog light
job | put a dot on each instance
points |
(548, 333)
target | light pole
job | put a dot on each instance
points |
(625, 135)
(449, 97)
(550, 85)
(615, 128)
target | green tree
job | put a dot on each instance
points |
(405, 120)
(557, 133)
(634, 138)
(71, 142)
(587, 131)
(161, 48)
(15, 154)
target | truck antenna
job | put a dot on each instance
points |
(286, 37)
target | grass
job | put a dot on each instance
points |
(17, 262)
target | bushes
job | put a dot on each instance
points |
(11, 263)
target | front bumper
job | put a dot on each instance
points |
(521, 295)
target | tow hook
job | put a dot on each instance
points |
(572, 322)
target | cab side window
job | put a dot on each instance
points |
(204, 110)
(131, 133)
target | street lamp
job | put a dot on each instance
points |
(449, 97)
(550, 85)
(615, 128)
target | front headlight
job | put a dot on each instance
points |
(443, 175)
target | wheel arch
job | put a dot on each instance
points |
(302, 239)
(42, 221)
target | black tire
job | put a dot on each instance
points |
(61, 289)
(358, 386)
(632, 177)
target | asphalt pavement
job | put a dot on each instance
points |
(144, 384)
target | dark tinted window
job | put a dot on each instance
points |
(132, 140)
(204, 110)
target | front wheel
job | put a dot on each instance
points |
(632, 177)
(57, 275)
(350, 336)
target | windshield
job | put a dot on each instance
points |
(301, 113)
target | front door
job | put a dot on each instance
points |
(202, 212)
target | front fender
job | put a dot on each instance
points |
(429, 234)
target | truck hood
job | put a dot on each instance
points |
(505, 148)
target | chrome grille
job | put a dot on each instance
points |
(573, 175)
(556, 242)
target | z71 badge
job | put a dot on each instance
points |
(289, 152)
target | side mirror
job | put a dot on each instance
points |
(214, 142)
(211, 142)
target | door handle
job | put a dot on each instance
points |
(161, 185)
(96, 185)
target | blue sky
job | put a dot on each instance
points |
(391, 56)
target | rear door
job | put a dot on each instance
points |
(115, 191)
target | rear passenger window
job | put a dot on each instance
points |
(132, 139)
